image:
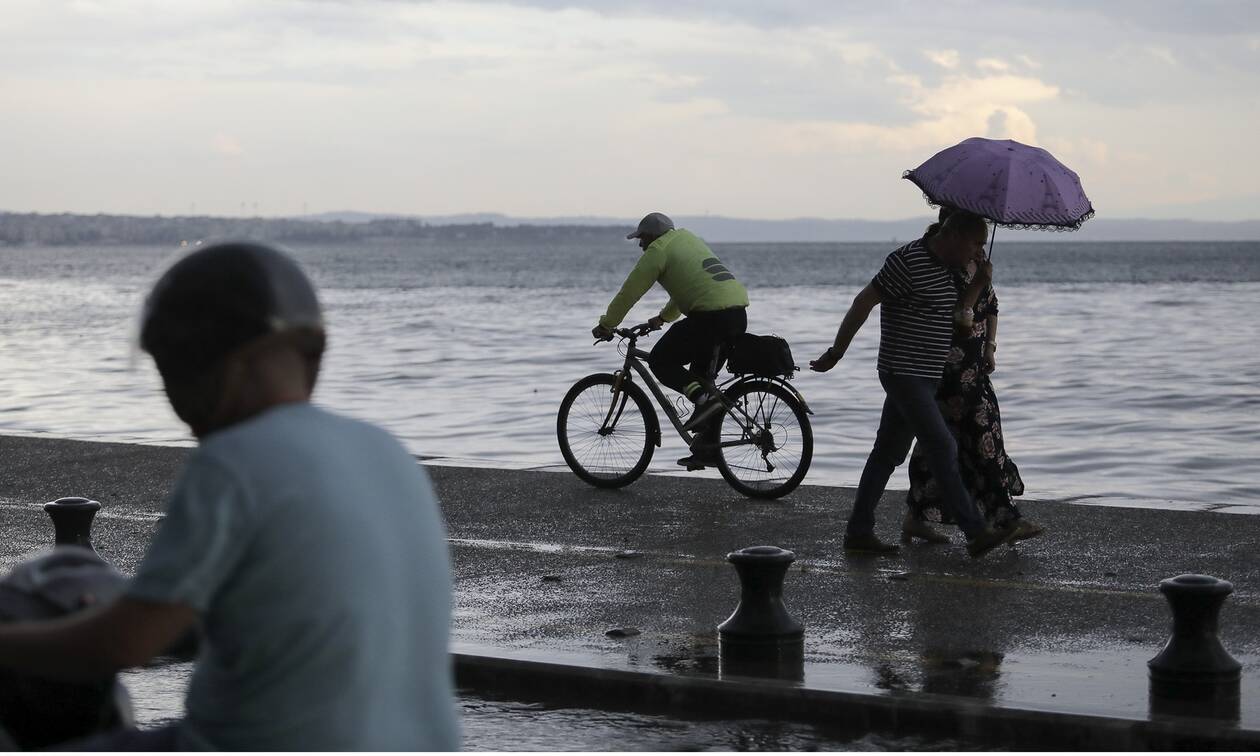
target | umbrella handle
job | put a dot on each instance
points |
(988, 253)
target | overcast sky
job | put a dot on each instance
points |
(733, 107)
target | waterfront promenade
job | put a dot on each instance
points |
(546, 566)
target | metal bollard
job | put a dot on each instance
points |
(1194, 673)
(36, 712)
(761, 638)
(72, 520)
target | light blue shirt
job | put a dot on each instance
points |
(313, 549)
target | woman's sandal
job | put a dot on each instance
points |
(912, 529)
(1025, 530)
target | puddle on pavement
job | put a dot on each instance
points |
(157, 693)
(1107, 681)
(494, 725)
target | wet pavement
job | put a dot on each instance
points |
(546, 565)
(498, 725)
(1065, 622)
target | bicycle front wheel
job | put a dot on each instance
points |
(766, 441)
(604, 430)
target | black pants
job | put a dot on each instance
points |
(690, 341)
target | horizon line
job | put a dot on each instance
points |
(559, 220)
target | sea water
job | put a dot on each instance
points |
(1128, 373)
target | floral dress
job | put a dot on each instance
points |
(970, 407)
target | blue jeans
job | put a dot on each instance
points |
(910, 412)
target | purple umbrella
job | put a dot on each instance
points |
(1009, 183)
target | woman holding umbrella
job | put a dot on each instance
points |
(969, 404)
(1003, 181)
(1019, 186)
(917, 293)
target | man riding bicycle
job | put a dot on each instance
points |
(700, 287)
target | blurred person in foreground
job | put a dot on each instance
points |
(307, 547)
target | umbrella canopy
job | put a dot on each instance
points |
(1010, 183)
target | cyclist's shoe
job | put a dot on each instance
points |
(701, 456)
(707, 406)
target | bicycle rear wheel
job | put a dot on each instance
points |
(605, 436)
(766, 443)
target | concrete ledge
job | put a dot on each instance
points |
(927, 715)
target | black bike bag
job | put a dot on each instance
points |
(760, 355)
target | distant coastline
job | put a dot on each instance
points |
(30, 229)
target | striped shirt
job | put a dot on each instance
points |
(918, 296)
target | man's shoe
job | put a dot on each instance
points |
(912, 528)
(988, 540)
(869, 544)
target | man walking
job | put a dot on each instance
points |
(917, 289)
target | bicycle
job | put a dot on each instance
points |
(608, 429)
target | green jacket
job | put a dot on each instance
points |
(695, 279)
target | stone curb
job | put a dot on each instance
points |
(921, 714)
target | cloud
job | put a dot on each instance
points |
(960, 106)
(1082, 152)
(226, 145)
(982, 17)
(943, 58)
(963, 106)
(549, 107)
(1163, 55)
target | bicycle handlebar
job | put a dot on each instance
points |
(633, 332)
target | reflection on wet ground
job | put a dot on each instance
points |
(157, 693)
(493, 725)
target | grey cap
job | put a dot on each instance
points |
(219, 297)
(653, 224)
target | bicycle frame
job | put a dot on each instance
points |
(634, 363)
